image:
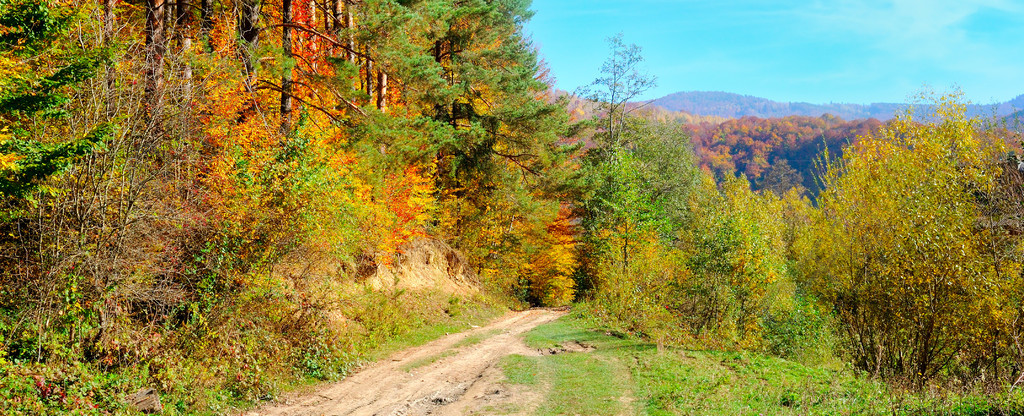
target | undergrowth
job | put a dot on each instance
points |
(258, 345)
(690, 380)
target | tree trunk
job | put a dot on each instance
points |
(183, 30)
(339, 22)
(625, 255)
(328, 16)
(286, 77)
(108, 19)
(369, 73)
(338, 6)
(183, 33)
(206, 15)
(156, 47)
(382, 91)
(350, 38)
(108, 37)
(168, 17)
(311, 44)
(249, 31)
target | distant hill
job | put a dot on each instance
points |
(581, 108)
(775, 145)
(723, 104)
(1012, 107)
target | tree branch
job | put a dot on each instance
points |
(515, 159)
(321, 35)
(274, 87)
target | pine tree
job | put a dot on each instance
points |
(34, 78)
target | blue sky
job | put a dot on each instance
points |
(815, 51)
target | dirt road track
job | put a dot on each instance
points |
(462, 380)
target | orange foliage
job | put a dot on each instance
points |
(550, 268)
(396, 211)
(750, 145)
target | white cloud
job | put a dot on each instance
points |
(932, 41)
(911, 29)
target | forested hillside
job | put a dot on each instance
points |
(776, 153)
(212, 203)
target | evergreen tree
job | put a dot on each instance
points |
(35, 76)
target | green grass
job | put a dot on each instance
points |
(696, 382)
(465, 342)
(520, 370)
(425, 361)
(627, 376)
(586, 384)
(594, 383)
(475, 338)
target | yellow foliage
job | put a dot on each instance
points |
(396, 211)
(9, 70)
(550, 268)
(8, 162)
(644, 299)
(897, 247)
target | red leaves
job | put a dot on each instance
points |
(49, 391)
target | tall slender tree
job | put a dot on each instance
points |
(286, 76)
(206, 16)
(350, 28)
(156, 48)
(108, 36)
(249, 31)
(619, 85)
(382, 90)
(183, 31)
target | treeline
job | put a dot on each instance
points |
(729, 105)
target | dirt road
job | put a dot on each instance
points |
(455, 375)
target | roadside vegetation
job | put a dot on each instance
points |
(236, 364)
(624, 375)
(219, 200)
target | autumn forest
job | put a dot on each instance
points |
(221, 200)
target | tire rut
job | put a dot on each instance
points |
(441, 387)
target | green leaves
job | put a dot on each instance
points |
(25, 97)
(37, 161)
(28, 27)
(28, 33)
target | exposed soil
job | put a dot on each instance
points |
(464, 382)
(571, 346)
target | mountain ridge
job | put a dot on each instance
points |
(732, 105)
